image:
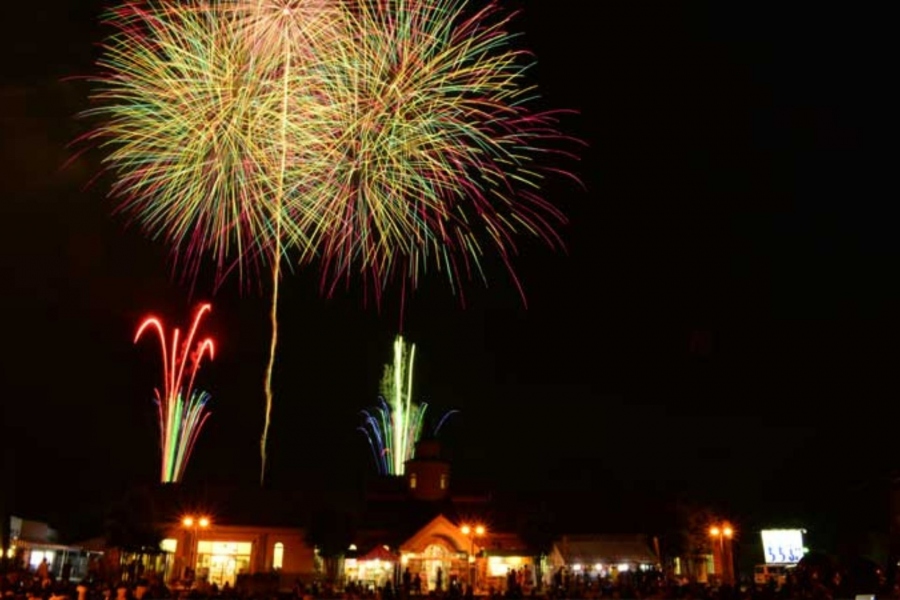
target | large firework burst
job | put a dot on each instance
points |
(441, 158)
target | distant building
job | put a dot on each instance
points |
(601, 556)
(32, 542)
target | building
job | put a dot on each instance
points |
(592, 557)
(214, 535)
(418, 524)
(220, 553)
(446, 554)
(32, 542)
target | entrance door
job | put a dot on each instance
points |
(435, 563)
(222, 569)
(222, 562)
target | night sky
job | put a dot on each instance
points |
(723, 324)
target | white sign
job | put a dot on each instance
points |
(782, 546)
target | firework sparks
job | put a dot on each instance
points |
(396, 424)
(380, 138)
(286, 41)
(441, 157)
(215, 120)
(182, 409)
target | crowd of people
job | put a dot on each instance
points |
(39, 583)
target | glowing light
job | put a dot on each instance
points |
(441, 159)
(394, 427)
(180, 420)
(213, 115)
(476, 531)
(379, 139)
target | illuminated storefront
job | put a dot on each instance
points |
(501, 564)
(440, 554)
(32, 542)
(373, 570)
(444, 555)
(220, 554)
(221, 562)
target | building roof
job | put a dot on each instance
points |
(605, 548)
(379, 553)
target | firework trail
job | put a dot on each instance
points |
(285, 41)
(394, 427)
(182, 409)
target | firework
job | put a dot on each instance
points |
(182, 409)
(396, 424)
(441, 157)
(215, 119)
(377, 137)
(178, 120)
(286, 41)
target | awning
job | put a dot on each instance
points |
(378, 553)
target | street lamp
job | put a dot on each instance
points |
(722, 560)
(472, 533)
(193, 525)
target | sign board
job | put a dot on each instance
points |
(782, 546)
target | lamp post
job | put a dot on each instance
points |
(472, 533)
(193, 525)
(722, 535)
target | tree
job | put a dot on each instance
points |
(131, 524)
(688, 538)
(331, 531)
(537, 525)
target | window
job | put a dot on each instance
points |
(278, 556)
(412, 481)
(443, 481)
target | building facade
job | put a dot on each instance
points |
(220, 553)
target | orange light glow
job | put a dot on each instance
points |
(191, 522)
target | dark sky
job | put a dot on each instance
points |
(723, 324)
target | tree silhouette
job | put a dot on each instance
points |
(331, 531)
